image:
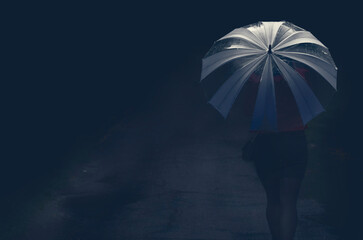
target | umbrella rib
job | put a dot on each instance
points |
(224, 98)
(239, 46)
(275, 35)
(281, 52)
(326, 70)
(308, 104)
(281, 37)
(246, 34)
(265, 95)
(298, 38)
(271, 29)
(263, 44)
(215, 61)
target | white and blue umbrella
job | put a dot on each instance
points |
(266, 48)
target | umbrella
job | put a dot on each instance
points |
(263, 53)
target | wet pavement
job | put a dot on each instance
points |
(139, 183)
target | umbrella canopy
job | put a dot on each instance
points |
(263, 53)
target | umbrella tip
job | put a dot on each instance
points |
(269, 49)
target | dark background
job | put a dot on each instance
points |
(74, 70)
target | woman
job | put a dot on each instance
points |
(280, 160)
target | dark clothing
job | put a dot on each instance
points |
(282, 154)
